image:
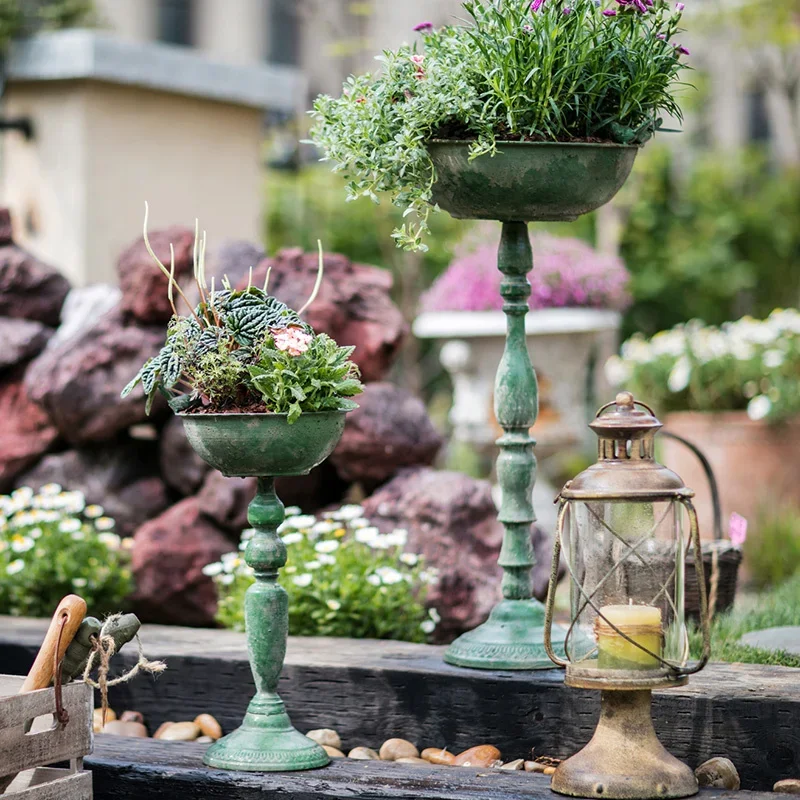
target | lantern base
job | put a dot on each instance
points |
(512, 638)
(624, 760)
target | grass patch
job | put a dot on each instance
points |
(771, 609)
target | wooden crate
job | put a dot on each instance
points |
(29, 754)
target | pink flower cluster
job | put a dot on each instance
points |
(566, 273)
(292, 340)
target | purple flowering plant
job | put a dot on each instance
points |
(546, 70)
(569, 274)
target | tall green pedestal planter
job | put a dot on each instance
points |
(524, 182)
(265, 446)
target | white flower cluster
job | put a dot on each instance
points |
(754, 349)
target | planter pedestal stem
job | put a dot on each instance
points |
(513, 636)
(266, 741)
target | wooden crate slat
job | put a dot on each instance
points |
(45, 783)
(20, 751)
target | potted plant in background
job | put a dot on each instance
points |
(261, 395)
(532, 112)
(576, 299)
(734, 391)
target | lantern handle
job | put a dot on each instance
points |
(614, 402)
(552, 586)
(705, 619)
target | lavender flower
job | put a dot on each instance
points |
(569, 273)
(682, 50)
(423, 26)
(609, 12)
(679, 6)
(662, 36)
(536, 5)
(566, 10)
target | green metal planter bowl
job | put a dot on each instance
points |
(255, 445)
(528, 181)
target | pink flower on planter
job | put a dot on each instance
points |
(292, 341)
(418, 61)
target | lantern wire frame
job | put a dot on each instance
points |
(676, 671)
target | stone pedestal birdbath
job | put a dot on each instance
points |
(525, 182)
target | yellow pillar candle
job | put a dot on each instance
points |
(642, 624)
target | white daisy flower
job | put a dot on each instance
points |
(367, 535)
(50, 489)
(325, 560)
(77, 536)
(303, 580)
(333, 605)
(312, 565)
(93, 511)
(226, 580)
(127, 543)
(434, 615)
(356, 524)
(397, 538)
(323, 527)
(389, 575)
(374, 580)
(293, 538)
(15, 566)
(330, 546)
(428, 626)
(299, 523)
(292, 511)
(21, 544)
(110, 540)
(69, 525)
(79, 583)
(213, 569)
(348, 512)
(680, 375)
(412, 559)
(104, 524)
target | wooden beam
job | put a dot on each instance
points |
(370, 691)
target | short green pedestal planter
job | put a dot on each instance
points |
(524, 182)
(265, 446)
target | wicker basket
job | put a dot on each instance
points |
(721, 558)
(29, 753)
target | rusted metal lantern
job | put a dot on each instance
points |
(621, 526)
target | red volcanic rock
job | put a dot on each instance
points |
(25, 431)
(182, 468)
(353, 306)
(6, 236)
(225, 501)
(169, 554)
(79, 381)
(390, 430)
(20, 340)
(121, 477)
(451, 520)
(144, 285)
(29, 289)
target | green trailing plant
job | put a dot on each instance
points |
(551, 70)
(53, 544)
(244, 350)
(344, 578)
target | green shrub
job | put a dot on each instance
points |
(772, 553)
(343, 578)
(52, 544)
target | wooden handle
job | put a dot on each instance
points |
(41, 675)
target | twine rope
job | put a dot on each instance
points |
(104, 647)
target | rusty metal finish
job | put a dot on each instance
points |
(624, 760)
(528, 181)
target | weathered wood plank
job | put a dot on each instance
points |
(138, 768)
(370, 691)
(51, 784)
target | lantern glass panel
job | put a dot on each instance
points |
(626, 560)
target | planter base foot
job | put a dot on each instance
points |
(512, 638)
(266, 742)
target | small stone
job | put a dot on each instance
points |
(119, 728)
(333, 752)
(393, 749)
(484, 755)
(327, 737)
(208, 726)
(97, 718)
(787, 786)
(132, 716)
(718, 773)
(549, 770)
(204, 740)
(440, 757)
(411, 760)
(363, 754)
(180, 732)
(534, 766)
(513, 765)
(161, 728)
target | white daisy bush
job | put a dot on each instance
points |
(750, 364)
(343, 576)
(53, 544)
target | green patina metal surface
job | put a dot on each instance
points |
(265, 445)
(525, 182)
(530, 181)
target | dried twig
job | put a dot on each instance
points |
(319, 280)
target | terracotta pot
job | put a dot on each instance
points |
(756, 464)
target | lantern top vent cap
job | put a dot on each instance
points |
(628, 420)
